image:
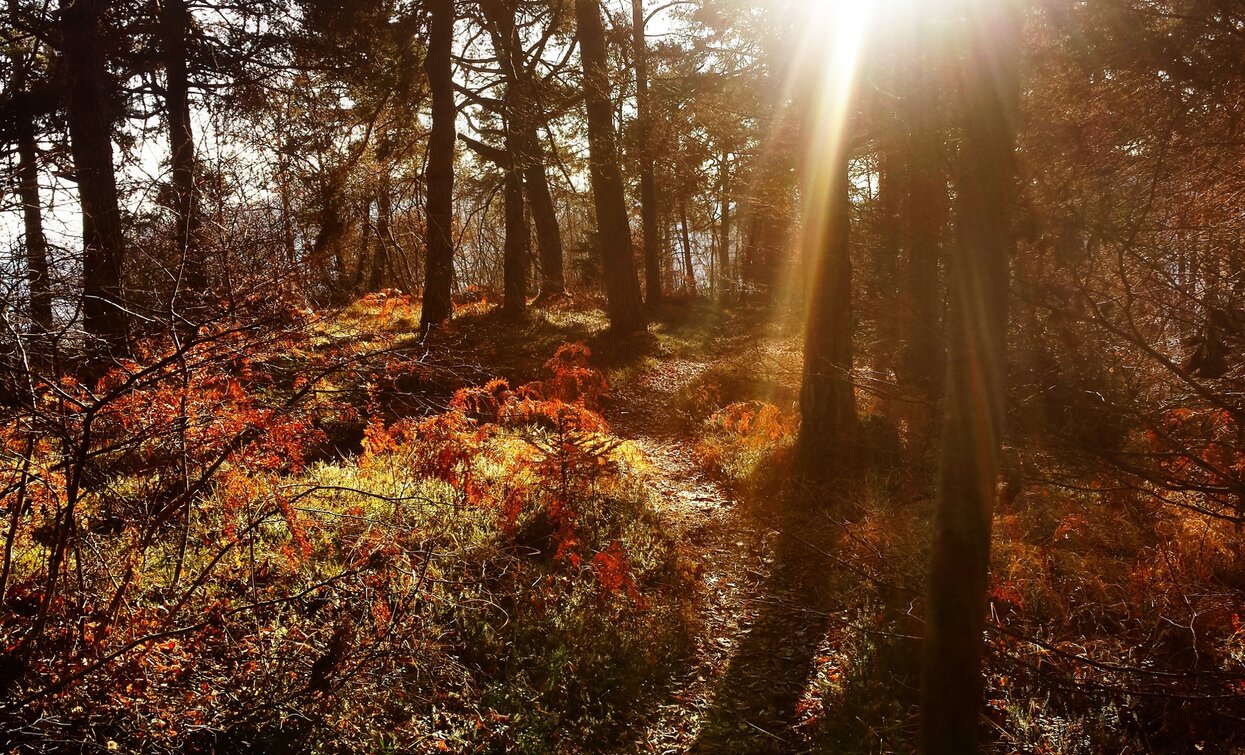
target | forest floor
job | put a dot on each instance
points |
(767, 592)
(756, 609)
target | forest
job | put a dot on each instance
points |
(594, 376)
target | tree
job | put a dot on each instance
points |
(648, 184)
(516, 108)
(26, 101)
(32, 217)
(827, 395)
(439, 173)
(828, 420)
(525, 112)
(91, 93)
(925, 187)
(514, 256)
(725, 280)
(622, 287)
(174, 25)
(951, 681)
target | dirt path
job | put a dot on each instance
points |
(741, 686)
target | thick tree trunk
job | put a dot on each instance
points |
(192, 277)
(439, 174)
(648, 183)
(288, 241)
(32, 217)
(622, 287)
(951, 683)
(90, 132)
(328, 240)
(827, 396)
(926, 186)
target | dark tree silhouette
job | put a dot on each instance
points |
(91, 95)
(439, 173)
(827, 395)
(648, 183)
(174, 25)
(32, 221)
(951, 681)
(925, 186)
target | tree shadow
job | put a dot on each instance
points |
(755, 703)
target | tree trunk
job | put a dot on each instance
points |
(328, 239)
(365, 249)
(886, 258)
(527, 151)
(90, 132)
(516, 109)
(514, 265)
(770, 209)
(724, 229)
(689, 280)
(192, 277)
(926, 187)
(32, 217)
(544, 217)
(439, 173)
(648, 183)
(288, 241)
(955, 613)
(383, 254)
(622, 287)
(827, 395)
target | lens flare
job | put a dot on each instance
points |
(821, 84)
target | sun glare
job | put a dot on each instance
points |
(832, 39)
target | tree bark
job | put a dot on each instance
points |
(955, 613)
(439, 173)
(515, 107)
(648, 183)
(90, 132)
(174, 26)
(36, 245)
(622, 287)
(328, 240)
(886, 258)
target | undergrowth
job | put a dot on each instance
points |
(484, 578)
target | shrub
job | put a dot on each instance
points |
(747, 442)
(484, 577)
